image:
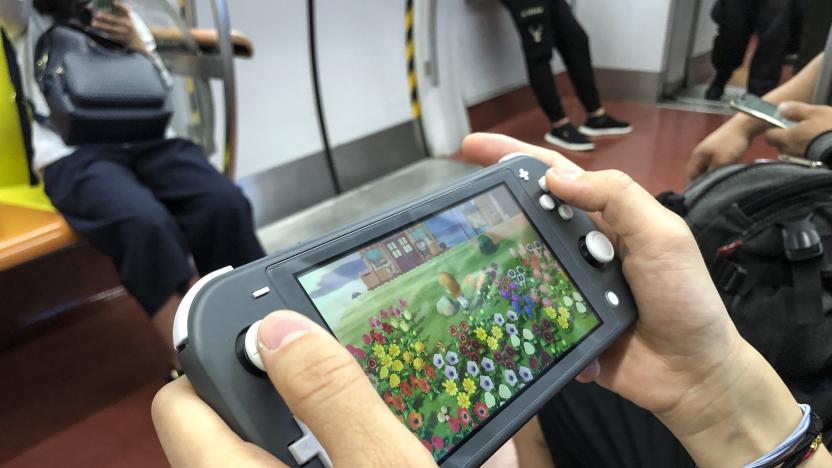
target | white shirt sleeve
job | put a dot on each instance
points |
(14, 16)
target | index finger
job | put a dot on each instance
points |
(193, 435)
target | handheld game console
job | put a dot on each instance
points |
(468, 309)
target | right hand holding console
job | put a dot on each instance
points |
(683, 360)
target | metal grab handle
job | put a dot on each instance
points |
(222, 21)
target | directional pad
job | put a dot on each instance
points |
(523, 174)
(307, 447)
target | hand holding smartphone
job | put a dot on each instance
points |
(758, 108)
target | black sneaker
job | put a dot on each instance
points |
(715, 91)
(568, 137)
(605, 125)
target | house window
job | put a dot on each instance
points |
(405, 245)
(394, 250)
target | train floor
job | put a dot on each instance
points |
(78, 394)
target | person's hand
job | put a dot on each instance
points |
(683, 359)
(119, 26)
(322, 384)
(724, 146)
(811, 122)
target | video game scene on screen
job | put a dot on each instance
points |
(452, 316)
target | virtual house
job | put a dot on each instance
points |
(421, 242)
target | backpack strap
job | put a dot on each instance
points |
(804, 250)
(21, 103)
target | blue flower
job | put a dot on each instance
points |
(438, 362)
(511, 329)
(515, 306)
(525, 373)
(528, 300)
(450, 373)
(452, 358)
(487, 364)
(472, 368)
(529, 310)
(486, 383)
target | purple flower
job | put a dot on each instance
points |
(487, 364)
(512, 285)
(533, 362)
(472, 368)
(525, 373)
(450, 373)
(515, 298)
(452, 358)
(504, 293)
(486, 383)
(510, 377)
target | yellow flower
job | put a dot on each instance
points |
(418, 363)
(450, 387)
(394, 350)
(378, 349)
(468, 385)
(563, 323)
(407, 356)
(481, 333)
(497, 332)
(385, 360)
(383, 372)
(463, 400)
(563, 312)
(550, 312)
(418, 347)
(397, 366)
(492, 343)
(395, 381)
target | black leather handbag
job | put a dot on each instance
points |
(98, 91)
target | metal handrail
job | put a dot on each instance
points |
(222, 21)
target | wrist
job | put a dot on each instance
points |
(747, 126)
(740, 411)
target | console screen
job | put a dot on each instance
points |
(452, 316)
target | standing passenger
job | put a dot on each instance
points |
(544, 24)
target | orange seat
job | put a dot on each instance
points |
(28, 233)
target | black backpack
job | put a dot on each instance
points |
(97, 90)
(765, 231)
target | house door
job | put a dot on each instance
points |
(405, 255)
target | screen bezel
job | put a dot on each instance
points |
(524, 405)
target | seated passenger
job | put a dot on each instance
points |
(149, 205)
(728, 143)
(683, 359)
(542, 25)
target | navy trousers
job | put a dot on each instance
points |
(151, 207)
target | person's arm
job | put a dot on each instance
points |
(14, 16)
(730, 141)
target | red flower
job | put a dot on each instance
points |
(387, 328)
(463, 325)
(388, 398)
(547, 335)
(437, 442)
(413, 379)
(453, 423)
(398, 403)
(372, 363)
(464, 416)
(430, 372)
(463, 338)
(453, 330)
(475, 344)
(481, 411)
(533, 363)
(509, 364)
(366, 339)
(405, 389)
(427, 446)
(422, 385)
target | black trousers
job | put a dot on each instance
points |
(150, 207)
(816, 18)
(547, 24)
(587, 426)
(738, 20)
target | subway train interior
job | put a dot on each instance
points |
(147, 144)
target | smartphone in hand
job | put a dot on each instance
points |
(103, 5)
(761, 109)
